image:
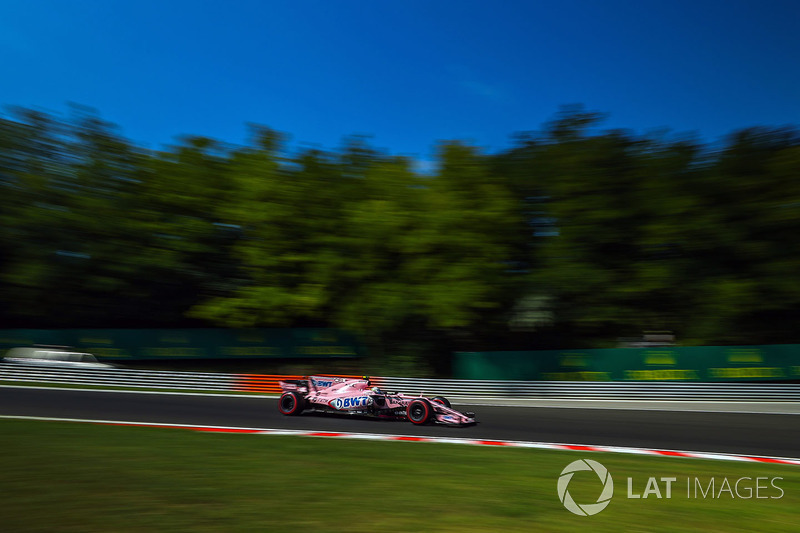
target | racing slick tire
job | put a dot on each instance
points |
(291, 403)
(419, 412)
(442, 400)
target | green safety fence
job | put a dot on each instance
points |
(158, 344)
(674, 363)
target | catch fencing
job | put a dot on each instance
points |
(476, 389)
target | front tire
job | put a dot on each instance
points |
(419, 412)
(442, 400)
(291, 403)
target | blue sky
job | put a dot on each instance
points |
(406, 73)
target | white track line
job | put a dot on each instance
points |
(126, 391)
(447, 440)
(683, 406)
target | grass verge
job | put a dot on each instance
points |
(85, 478)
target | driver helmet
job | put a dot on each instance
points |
(376, 390)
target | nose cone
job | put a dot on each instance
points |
(458, 419)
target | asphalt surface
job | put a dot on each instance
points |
(720, 432)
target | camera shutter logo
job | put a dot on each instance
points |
(587, 509)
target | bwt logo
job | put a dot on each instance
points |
(586, 509)
(348, 403)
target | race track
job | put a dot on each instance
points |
(721, 432)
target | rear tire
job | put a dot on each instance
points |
(442, 400)
(291, 403)
(419, 412)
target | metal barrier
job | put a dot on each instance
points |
(115, 377)
(598, 390)
(259, 383)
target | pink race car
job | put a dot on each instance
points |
(358, 397)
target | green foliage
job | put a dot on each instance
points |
(573, 236)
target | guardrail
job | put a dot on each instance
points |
(268, 384)
(598, 390)
(117, 377)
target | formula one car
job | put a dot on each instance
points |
(358, 397)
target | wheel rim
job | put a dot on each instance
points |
(417, 411)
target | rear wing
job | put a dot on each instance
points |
(299, 385)
(312, 383)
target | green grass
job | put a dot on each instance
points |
(87, 478)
